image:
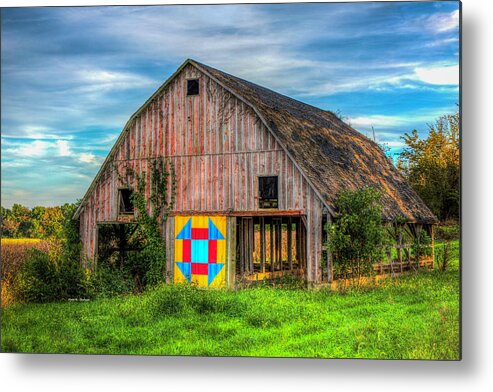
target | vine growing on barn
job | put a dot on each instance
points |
(153, 197)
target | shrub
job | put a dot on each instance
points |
(37, 280)
(421, 245)
(14, 254)
(49, 277)
(445, 252)
(106, 281)
(443, 256)
(357, 235)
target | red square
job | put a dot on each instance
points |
(212, 251)
(200, 234)
(187, 251)
(200, 269)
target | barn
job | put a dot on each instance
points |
(257, 176)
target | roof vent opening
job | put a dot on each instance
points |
(193, 87)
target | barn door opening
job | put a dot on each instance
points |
(118, 245)
(270, 246)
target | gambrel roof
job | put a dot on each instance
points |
(331, 155)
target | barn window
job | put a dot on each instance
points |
(268, 192)
(126, 204)
(193, 87)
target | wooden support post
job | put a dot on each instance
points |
(330, 265)
(399, 250)
(298, 243)
(303, 245)
(251, 246)
(276, 245)
(290, 244)
(231, 255)
(245, 246)
(432, 228)
(262, 244)
(271, 238)
(242, 249)
(279, 241)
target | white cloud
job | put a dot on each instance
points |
(87, 158)
(101, 80)
(438, 75)
(376, 121)
(63, 148)
(445, 22)
(37, 148)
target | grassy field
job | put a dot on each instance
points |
(413, 316)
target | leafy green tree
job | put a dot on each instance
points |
(22, 215)
(36, 230)
(10, 225)
(432, 166)
(52, 223)
(357, 236)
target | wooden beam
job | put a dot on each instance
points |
(245, 214)
(298, 243)
(262, 244)
(271, 238)
(330, 266)
(250, 243)
(290, 245)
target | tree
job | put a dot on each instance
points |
(52, 222)
(9, 224)
(432, 166)
(23, 216)
(357, 236)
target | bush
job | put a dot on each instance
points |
(14, 254)
(443, 256)
(37, 280)
(421, 246)
(47, 278)
(444, 253)
(106, 282)
(357, 235)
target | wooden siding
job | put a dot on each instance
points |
(219, 147)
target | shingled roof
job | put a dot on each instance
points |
(332, 155)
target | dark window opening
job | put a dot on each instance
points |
(268, 192)
(193, 87)
(126, 204)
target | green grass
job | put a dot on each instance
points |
(413, 316)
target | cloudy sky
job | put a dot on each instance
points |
(71, 77)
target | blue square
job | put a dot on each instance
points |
(200, 251)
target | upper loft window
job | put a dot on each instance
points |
(268, 192)
(193, 87)
(126, 204)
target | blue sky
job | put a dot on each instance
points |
(71, 77)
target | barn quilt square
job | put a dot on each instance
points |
(200, 250)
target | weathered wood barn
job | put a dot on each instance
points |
(257, 176)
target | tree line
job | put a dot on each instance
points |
(38, 222)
